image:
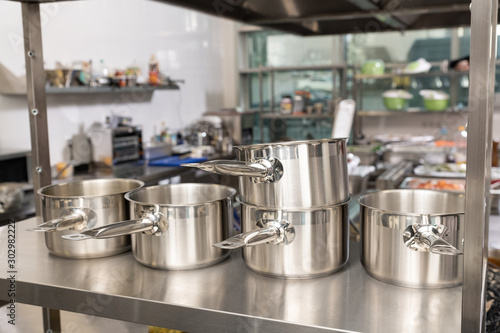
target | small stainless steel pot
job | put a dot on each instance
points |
(174, 226)
(81, 205)
(293, 243)
(297, 174)
(413, 238)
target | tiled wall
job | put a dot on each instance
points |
(198, 48)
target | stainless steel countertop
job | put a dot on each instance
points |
(227, 297)
(150, 175)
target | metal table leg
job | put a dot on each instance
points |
(51, 321)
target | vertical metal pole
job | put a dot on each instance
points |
(334, 82)
(481, 100)
(51, 321)
(454, 54)
(37, 108)
(261, 104)
(271, 72)
(37, 104)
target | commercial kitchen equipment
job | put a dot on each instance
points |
(413, 238)
(81, 205)
(345, 17)
(114, 145)
(295, 174)
(173, 227)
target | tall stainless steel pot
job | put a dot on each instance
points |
(293, 243)
(81, 205)
(413, 238)
(297, 174)
(174, 226)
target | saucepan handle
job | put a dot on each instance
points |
(148, 224)
(75, 219)
(265, 170)
(271, 231)
(428, 238)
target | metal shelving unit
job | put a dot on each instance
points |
(157, 311)
(85, 90)
(387, 113)
(271, 113)
(106, 90)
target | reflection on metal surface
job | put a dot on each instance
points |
(385, 218)
(428, 238)
(198, 216)
(102, 201)
(319, 247)
(270, 232)
(227, 296)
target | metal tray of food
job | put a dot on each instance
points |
(448, 184)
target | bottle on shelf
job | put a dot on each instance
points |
(103, 70)
(154, 71)
(286, 104)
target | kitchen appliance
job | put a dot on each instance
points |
(112, 146)
(239, 125)
(413, 238)
(293, 243)
(295, 174)
(15, 166)
(173, 226)
(81, 205)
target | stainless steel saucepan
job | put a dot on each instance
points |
(81, 205)
(173, 227)
(413, 238)
(293, 243)
(297, 174)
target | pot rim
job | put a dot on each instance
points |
(290, 143)
(96, 180)
(294, 209)
(455, 194)
(151, 188)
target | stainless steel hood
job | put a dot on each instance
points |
(323, 17)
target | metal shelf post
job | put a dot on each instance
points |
(37, 102)
(477, 207)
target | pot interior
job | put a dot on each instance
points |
(91, 188)
(415, 201)
(181, 194)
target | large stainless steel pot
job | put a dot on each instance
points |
(293, 243)
(297, 174)
(413, 238)
(174, 226)
(83, 205)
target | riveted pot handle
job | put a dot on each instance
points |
(265, 170)
(149, 224)
(272, 231)
(428, 238)
(74, 219)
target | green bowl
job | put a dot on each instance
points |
(373, 67)
(395, 103)
(436, 104)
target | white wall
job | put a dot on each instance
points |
(198, 48)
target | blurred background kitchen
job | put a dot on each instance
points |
(134, 88)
